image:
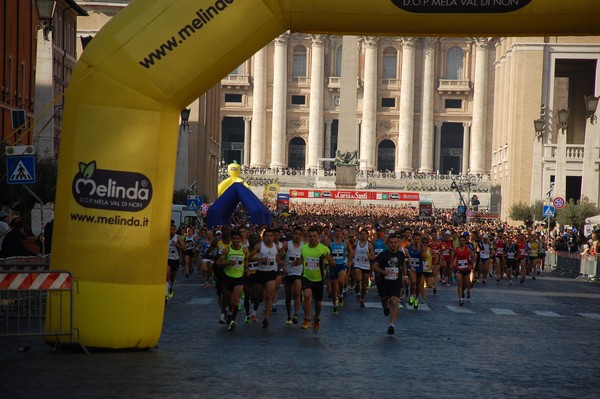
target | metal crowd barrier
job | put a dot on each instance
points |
(25, 263)
(32, 305)
(587, 265)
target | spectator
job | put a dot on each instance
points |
(14, 241)
(4, 228)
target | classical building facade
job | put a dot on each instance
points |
(424, 104)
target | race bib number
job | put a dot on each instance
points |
(463, 264)
(510, 255)
(391, 273)
(446, 252)
(312, 264)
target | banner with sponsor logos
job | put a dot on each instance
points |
(355, 195)
(122, 108)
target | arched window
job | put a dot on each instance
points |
(454, 63)
(297, 153)
(299, 61)
(338, 62)
(386, 156)
(390, 63)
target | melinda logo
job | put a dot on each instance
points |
(111, 189)
(460, 6)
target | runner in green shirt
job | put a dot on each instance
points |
(314, 257)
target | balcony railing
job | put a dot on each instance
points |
(300, 81)
(454, 86)
(236, 81)
(335, 82)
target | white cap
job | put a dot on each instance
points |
(218, 232)
(448, 232)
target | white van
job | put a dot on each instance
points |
(181, 215)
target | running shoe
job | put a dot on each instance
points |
(222, 318)
(386, 311)
(247, 320)
(166, 299)
(341, 301)
(253, 317)
(171, 293)
(228, 320)
(295, 319)
(306, 324)
(533, 277)
(416, 303)
(391, 329)
(240, 306)
(461, 302)
(400, 305)
(362, 303)
(289, 321)
(434, 291)
(316, 325)
(497, 280)
(231, 325)
(411, 300)
(265, 323)
(357, 288)
(522, 280)
(483, 281)
(335, 310)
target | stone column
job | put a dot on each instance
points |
(466, 147)
(259, 100)
(345, 176)
(478, 137)
(315, 121)
(369, 127)
(560, 176)
(279, 102)
(247, 124)
(427, 129)
(407, 106)
(589, 181)
(438, 145)
(327, 153)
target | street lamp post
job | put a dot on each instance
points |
(45, 9)
(563, 119)
(591, 104)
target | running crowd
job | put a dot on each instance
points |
(333, 250)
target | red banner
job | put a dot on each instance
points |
(355, 195)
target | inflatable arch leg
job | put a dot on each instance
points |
(119, 139)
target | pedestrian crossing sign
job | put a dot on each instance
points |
(20, 169)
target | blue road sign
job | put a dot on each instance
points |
(194, 202)
(20, 169)
(548, 211)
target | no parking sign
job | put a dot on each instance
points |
(558, 202)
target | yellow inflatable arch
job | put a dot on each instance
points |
(118, 145)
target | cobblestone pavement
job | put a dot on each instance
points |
(536, 340)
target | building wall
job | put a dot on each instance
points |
(17, 65)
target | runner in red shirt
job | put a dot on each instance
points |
(499, 251)
(447, 254)
(463, 256)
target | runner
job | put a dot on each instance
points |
(234, 261)
(176, 245)
(293, 281)
(363, 256)
(499, 250)
(268, 259)
(462, 262)
(436, 256)
(341, 251)
(522, 254)
(314, 255)
(191, 243)
(511, 258)
(447, 256)
(416, 257)
(485, 260)
(391, 268)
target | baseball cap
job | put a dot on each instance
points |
(218, 232)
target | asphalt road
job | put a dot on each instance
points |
(538, 340)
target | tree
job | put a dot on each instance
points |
(574, 213)
(522, 212)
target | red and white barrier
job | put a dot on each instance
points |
(35, 281)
